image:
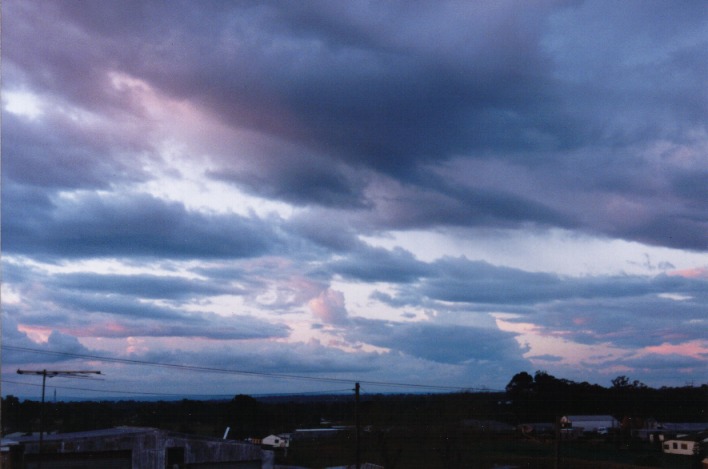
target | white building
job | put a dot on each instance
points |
(683, 447)
(592, 423)
(686, 445)
(276, 441)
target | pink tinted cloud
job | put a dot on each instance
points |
(329, 307)
(111, 329)
(695, 349)
(696, 272)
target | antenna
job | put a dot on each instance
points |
(51, 374)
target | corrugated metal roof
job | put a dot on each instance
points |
(106, 432)
(589, 418)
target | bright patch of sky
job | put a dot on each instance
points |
(22, 103)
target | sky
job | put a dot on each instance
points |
(216, 198)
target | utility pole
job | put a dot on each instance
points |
(358, 425)
(51, 374)
(556, 463)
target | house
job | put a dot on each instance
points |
(276, 441)
(139, 448)
(686, 445)
(591, 423)
(682, 446)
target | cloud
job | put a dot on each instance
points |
(463, 345)
(56, 345)
(349, 98)
(654, 369)
(59, 153)
(376, 264)
(170, 287)
(203, 326)
(332, 230)
(135, 226)
(300, 180)
(220, 174)
(634, 321)
(329, 307)
(546, 358)
(469, 281)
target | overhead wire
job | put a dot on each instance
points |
(263, 374)
(166, 394)
(112, 391)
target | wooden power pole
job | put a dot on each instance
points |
(51, 374)
(358, 426)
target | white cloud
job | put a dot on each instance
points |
(22, 103)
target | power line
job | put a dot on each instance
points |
(205, 369)
(166, 394)
(112, 391)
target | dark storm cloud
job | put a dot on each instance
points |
(681, 231)
(691, 186)
(395, 88)
(132, 226)
(436, 204)
(301, 182)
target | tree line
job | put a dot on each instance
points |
(527, 398)
(542, 396)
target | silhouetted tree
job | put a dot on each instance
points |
(10, 414)
(245, 416)
(520, 391)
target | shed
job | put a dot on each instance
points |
(139, 448)
(592, 423)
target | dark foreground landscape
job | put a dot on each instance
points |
(521, 427)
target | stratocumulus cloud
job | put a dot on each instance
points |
(396, 192)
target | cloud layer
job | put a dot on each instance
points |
(360, 190)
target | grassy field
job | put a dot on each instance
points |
(410, 450)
